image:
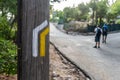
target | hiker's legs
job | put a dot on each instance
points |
(95, 45)
(95, 42)
(98, 44)
(105, 38)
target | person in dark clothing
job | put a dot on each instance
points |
(98, 32)
(105, 32)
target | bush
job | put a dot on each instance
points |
(76, 26)
(118, 21)
(8, 53)
(5, 29)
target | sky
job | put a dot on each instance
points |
(67, 3)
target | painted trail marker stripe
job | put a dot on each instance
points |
(35, 37)
(42, 42)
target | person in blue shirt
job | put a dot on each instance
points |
(98, 32)
(105, 33)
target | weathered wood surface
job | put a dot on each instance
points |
(31, 13)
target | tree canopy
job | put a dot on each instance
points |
(96, 10)
(115, 8)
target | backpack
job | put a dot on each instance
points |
(104, 29)
(98, 32)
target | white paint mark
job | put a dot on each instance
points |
(35, 37)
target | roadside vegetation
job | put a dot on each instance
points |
(8, 27)
(86, 16)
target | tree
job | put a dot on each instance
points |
(60, 15)
(101, 11)
(57, 16)
(67, 13)
(71, 13)
(84, 9)
(113, 11)
(93, 7)
(115, 8)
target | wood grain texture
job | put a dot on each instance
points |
(31, 13)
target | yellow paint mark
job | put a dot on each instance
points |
(42, 42)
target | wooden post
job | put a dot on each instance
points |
(33, 39)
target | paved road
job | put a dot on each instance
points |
(100, 64)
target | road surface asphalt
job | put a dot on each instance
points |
(99, 63)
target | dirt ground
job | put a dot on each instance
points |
(60, 68)
(4, 77)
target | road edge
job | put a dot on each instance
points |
(88, 77)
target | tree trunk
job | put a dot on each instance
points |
(100, 20)
(93, 17)
(32, 13)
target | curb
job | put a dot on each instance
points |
(88, 77)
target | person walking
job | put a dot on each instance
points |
(105, 32)
(98, 32)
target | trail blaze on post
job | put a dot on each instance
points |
(43, 42)
(31, 14)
